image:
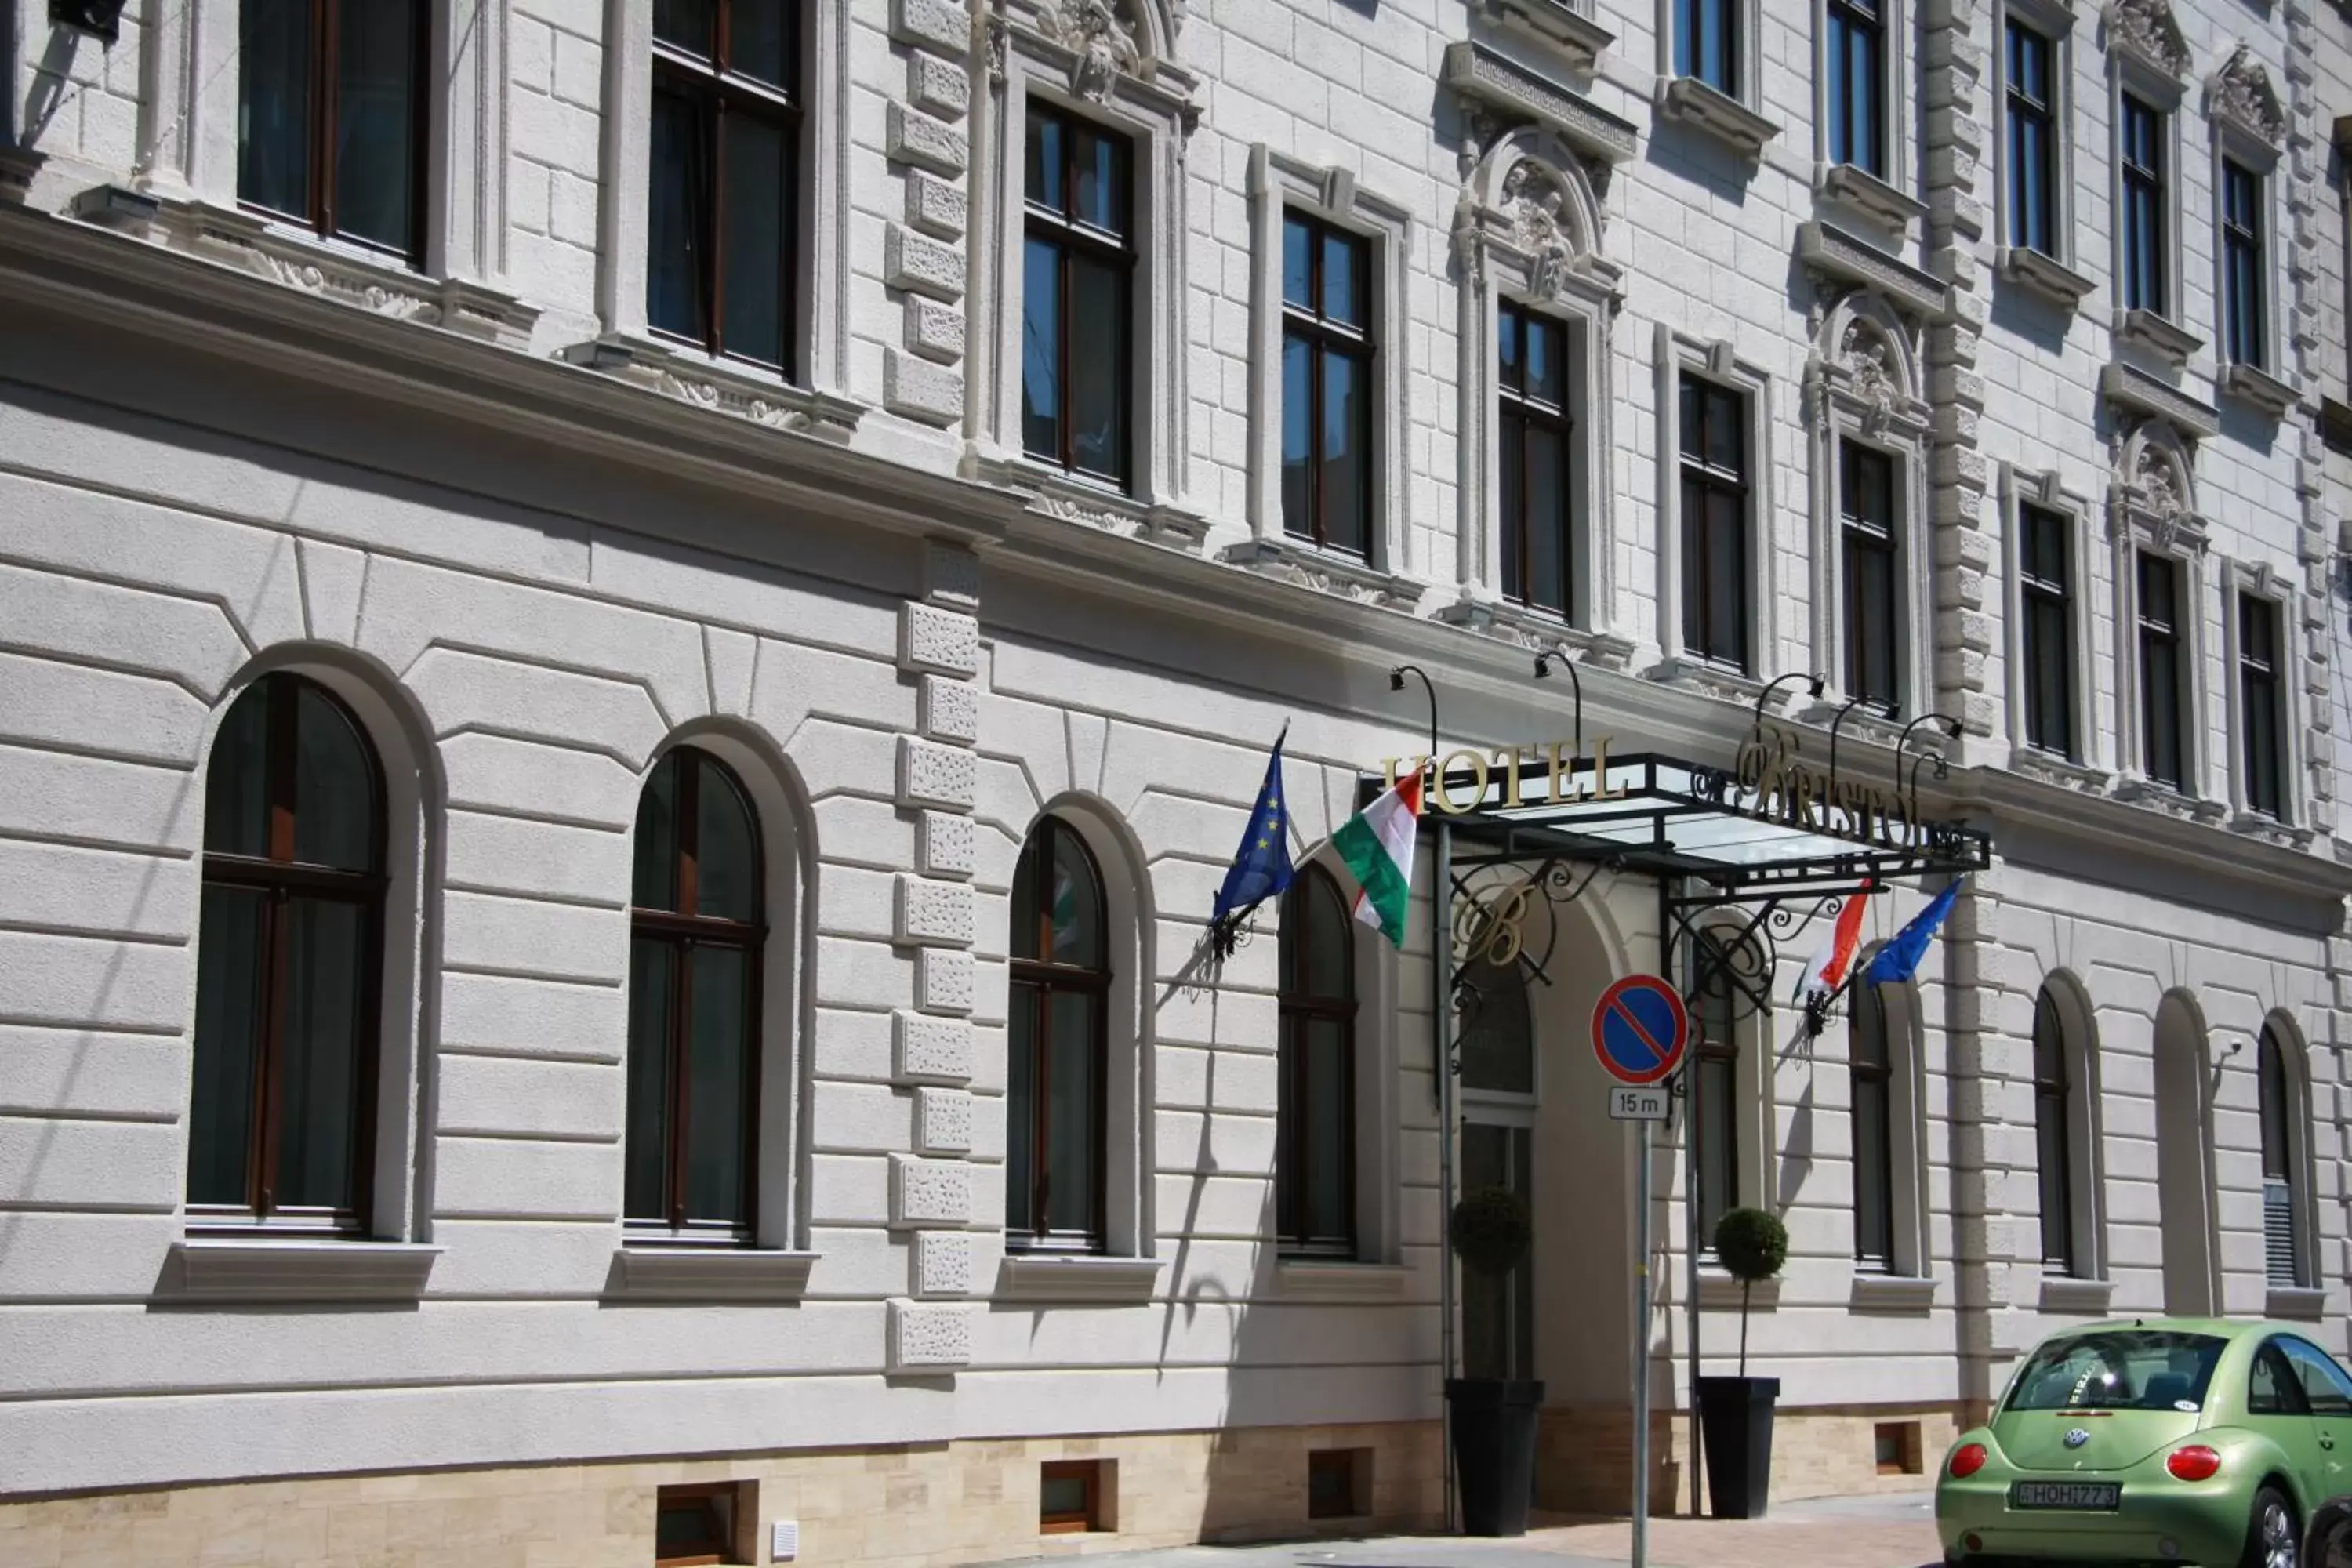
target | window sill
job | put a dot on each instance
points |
(2297, 1303)
(1076, 1279)
(1720, 1292)
(643, 1273)
(2044, 275)
(1567, 31)
(2151, 331)
(1338, 1280)
(1297, 562)
(1537, 629)
(701, 382)
(1847, 257)
(2063, 1293)
(2258, 389)
(2141, 790)
(1893, 1293)
(2138, 391)
(1486, 75)
(1686, 100)
(1067, 497)
(1689, 673)
(239, 1269)
(2269, 830)
(1861, 192)
(2053, 767)
(345, 274)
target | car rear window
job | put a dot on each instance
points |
(2117, 1369)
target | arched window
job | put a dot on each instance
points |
(2053, 1134)
(289, 967)
(1714, 1048)
(2281, 1109)
(1871, 1068)
(1055, 1048)
(695, 929)
(1314, 1142)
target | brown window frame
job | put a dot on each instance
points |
(721, 1548)
(2263, 716)
(1532, 417)
(1875, 1252)
(1871, 561)
(679, 932)
(1310, 322)
(1299, 1008)
(1046, 980)
(1703, 403)
(324, 102)
(717, 91)
(1070, 239)
(2046, 633)
(2172, 707)
(1077, 1521)
(279, 877)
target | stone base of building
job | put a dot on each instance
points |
(929, 1505)
(1584, 1458)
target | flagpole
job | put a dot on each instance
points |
(1441, 1009)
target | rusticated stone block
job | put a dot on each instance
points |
(936, 206)
(921, 266)
(945, 980)
(934, 914)
(933, 1050)
(942, 641)
(934, 330)
(942, 1263)
(949, 709)
(929, 1337)
(931, 775)
(938, 87)
(943, 1121)
(947, 846)
(916, 389)
(929, 1191)
(915, 138)
(932, 25)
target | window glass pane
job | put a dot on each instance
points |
(319, 1075)
(1044, 160)
(1330, 942)
(759, 209)
(727, 849)
(1874, 1216)
(1496, 1034)
(1725, 440)
(1685, 37)
(334, 786)
(1692, 418)
(1098, 197)
(229, 1009)
(648, 1150)
(1077, 913)
(1513, 434)
(1547, 503)
(1719, 1145)
(1840, 137)
(1074, 1085)
(1346, 468)
(2161, 672)
(677, 267)
(1343, 281)
(760, 40)
(1297, 436)
(1020, 1109)
(1328, 1118)
(1507, 348)
(1098, 372)
(2050, 1152)
(273, 105)
(1041, 350)
(375, 128)
(654, 883)
(2272, 1064)
(1547, 364)
(719, 1086)
(1727, 599)
(685, 24)
(2326, 1389)
(1297, 262)
(237, 780)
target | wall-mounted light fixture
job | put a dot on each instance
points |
(101, 19)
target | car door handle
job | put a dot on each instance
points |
(2326, 1441)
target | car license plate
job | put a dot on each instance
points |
(2067, 1494)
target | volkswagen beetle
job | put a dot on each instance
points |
(2161, 1440)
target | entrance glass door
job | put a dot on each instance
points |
(1498, 1316)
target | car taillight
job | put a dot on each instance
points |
(2195, 1463)
(1967, 1461)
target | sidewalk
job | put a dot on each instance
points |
(1882, 1531)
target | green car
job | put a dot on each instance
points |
(2165, 1440)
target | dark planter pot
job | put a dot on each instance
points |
(1494, 1422)
(1735, 1417)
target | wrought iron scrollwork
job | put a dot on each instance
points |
(1490, 925)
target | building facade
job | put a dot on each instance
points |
(633, 639)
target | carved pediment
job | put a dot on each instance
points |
(2144, 30)
(2239, 94)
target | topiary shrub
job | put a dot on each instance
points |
(1491, 1230)
(1751, 1245)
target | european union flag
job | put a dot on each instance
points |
(1899, 959)
(1261, 867)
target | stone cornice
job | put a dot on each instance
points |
(2129, 387)
(1563, 28)
(1849, 258)
(1476, 71)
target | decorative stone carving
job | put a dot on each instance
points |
(2240, 94)
(1104, 47)
(1871, 375)
(1533, 199)
(2146, 30)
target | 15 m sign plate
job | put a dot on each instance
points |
(2092, 1495)
(1646, 1102)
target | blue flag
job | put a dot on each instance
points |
(1899, 959)
(1261, 866)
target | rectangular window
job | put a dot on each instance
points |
(1715, 522)
(330, 121)
(1871, 1065)
(1874, 605)
(2046, 613)
(723, 205)
(2054, 1135)
(1327, 386)
(2258, 694)
(696, 1524)
(1078, 271)
(1537, 436)
(2242, 310)
(2033, 104)
(1070, 1496)
(1706, 43)
(2140, 149)
(1855, 61)
(1498, 1316)
(1715, 1045)
(2164, 740)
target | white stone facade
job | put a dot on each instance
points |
(534, 544)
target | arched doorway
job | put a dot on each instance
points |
(2184, 1178)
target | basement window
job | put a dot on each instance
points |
(697, 1525)
(1071, 1497)
(1339, 1483)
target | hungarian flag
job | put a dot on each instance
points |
(1827, 970)
(1376, 846)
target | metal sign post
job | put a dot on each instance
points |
(1640, 1029)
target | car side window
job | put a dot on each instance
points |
(2325, 1388)
(2273, 1389)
